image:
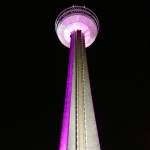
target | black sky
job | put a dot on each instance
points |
(34, 70)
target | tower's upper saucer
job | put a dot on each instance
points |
(77, 18)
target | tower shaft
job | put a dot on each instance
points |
(80, 131)
(80, 99)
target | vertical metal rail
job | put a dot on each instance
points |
(83, 61)
(76, 89)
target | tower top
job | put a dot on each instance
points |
(77, 18)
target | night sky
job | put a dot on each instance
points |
(34, 71)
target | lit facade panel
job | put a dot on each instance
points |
(77, 28)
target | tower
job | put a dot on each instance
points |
(77, 28)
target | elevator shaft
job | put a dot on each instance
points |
(80, 103)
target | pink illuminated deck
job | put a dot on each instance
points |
(77, 18)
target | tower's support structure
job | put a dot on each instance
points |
(79, 131)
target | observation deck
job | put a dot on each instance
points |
(77, 18)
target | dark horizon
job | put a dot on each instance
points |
(34, 72)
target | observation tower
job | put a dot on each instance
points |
(77, 28)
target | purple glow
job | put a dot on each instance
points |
(77, 22)
(66, 115)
